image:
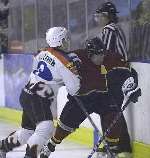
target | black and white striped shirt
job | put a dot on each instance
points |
(114, 39)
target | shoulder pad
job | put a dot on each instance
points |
(64, 59)
(114, 61)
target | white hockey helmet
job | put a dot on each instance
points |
(56, 35)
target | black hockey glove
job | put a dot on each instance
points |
(131, 90)
(134, 95)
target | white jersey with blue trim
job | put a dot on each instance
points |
(52, 69)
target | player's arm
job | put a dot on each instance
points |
(70, 77)
(123, 84)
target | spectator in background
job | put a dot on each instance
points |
(112, 35)
(4, 12)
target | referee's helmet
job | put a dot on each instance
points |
(107, 8)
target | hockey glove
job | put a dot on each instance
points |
(130, 90)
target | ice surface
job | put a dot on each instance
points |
(65, 150)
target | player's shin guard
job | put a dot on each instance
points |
(44, 130)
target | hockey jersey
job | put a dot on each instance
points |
(52, 68)
(92, 78)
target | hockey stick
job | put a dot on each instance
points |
(80, 104)
(124, 105)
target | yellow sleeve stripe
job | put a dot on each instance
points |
(66, 62)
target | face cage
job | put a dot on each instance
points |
(92, 52)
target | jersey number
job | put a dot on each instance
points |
(43, 71)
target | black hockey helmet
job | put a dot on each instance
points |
(94, 46)
(108, 8)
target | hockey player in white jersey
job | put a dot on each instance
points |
(51, 69)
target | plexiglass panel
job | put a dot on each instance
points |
(29, 20)
(140, 30)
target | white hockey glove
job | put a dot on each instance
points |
(130, 90)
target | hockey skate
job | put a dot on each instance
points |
(124, 155)
(105, 155)
(2, 151)
(31, 152)
(120, 155)
(102, 153)
(2, 154)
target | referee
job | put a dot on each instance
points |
(112, 35)
(114, 39)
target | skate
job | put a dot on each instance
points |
(124, 155)
(31, 152)
(2, 154)
(2, 151)
(105, 155)
(120, 155)
(102, 153)
(46, 150)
